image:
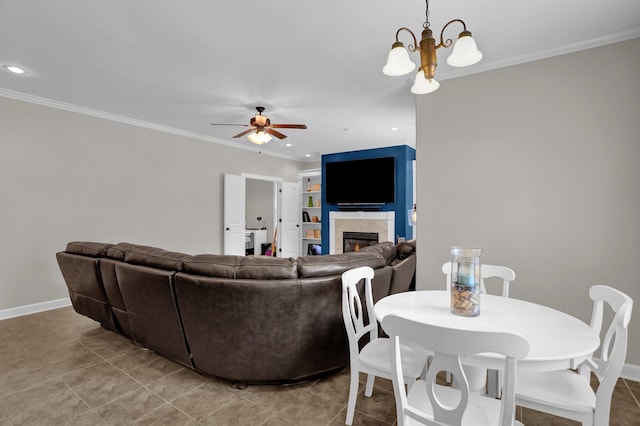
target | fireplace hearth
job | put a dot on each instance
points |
(354, 241)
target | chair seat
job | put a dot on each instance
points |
(562, 389)
(376, 355)
(481, 410)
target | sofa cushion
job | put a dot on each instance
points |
(212, 265)
(118, 251)
(336, 264)
(156, 258)
(386, 250)
(405, 248)
(87, 248)
(266, 268)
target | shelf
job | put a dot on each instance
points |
(311, 239)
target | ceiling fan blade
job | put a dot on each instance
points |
(289, 126)
(275, 133)
(243, 133)
(227, 124)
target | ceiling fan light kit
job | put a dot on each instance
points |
(259, 137)
(262, 131)
(464, 53)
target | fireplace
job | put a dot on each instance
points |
(341, 222)
(354, 241)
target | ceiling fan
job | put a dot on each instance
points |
(261, 128)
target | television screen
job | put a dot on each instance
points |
(366, 181)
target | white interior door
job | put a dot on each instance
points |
(234, 214)
(289, 221)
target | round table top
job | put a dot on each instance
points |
(557, 340)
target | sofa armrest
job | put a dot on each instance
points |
(404, 272)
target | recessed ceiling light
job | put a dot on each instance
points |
(393, 129)
(288, 144)
(15, 69)
(307, 155)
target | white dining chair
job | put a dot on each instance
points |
(569, 394)
(428, 403)
(374, 357)
(486, 271)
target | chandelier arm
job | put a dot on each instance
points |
(446, 43)
(412, 47)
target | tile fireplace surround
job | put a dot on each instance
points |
(359, 221)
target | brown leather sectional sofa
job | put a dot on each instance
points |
(253, 319)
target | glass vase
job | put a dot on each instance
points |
(465, 281)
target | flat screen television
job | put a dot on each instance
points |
(366, 181)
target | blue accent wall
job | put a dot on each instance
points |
(404, 156)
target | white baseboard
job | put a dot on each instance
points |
(631, 372)
(34, 308)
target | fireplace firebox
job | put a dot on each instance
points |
(354, 241)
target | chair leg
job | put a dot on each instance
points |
(353, 396)
(368, 390)
(494, 383)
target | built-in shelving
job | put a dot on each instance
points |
(311, 215)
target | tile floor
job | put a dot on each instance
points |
(60, 368)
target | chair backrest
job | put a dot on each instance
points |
(353, 312)
(614, 346)
(487, 271)
(449, 345)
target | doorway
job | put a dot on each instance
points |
(279, 214)
(260, 212)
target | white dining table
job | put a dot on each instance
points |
(557, 340)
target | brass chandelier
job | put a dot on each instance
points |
(465, 53)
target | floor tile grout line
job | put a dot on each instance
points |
(631, 392)
(161, 406)
(90, 408)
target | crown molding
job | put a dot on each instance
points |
(531, 56)
(25, 97)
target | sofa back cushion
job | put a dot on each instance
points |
(155, 258)
(241, 267)
(87, 248)
(266, 268)
(336, 264)
(212, 265)
(385, 249)
(118, 251)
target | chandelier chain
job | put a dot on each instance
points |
(426, 22)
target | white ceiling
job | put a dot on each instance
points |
(181, 65)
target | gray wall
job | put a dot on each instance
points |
(66, 176)
(538, 164)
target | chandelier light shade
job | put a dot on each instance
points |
(259, 137)
(422, 86)
(398, 62)
(464, 53)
